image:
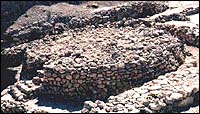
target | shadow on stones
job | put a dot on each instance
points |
(58, 102)
(75, 104)
(7, 77)
(76, 2)
(194, 104)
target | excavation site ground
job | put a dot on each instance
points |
(100, 56)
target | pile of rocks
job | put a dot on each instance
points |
(133, 10)
(167, 93)
(186, 34)
(21, 90)
(15, 97)
(92, 53)
(103, 61)
(8, 106)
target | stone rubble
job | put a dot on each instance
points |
(30, 26)
(14, 97)
(191, 37)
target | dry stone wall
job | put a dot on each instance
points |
(189, 35)
(159, 95)
(167, 93)
(82, 54)
(102, 64)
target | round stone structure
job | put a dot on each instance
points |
(100, 62)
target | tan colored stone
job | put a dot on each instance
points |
(80, 81)
(101, 86)
(69, 77)
(58, 79)
(176, 96)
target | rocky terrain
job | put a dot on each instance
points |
(100, 57)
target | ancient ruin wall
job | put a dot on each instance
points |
(158, 95)
(188, 35)
(167, 93)
(100, 65)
